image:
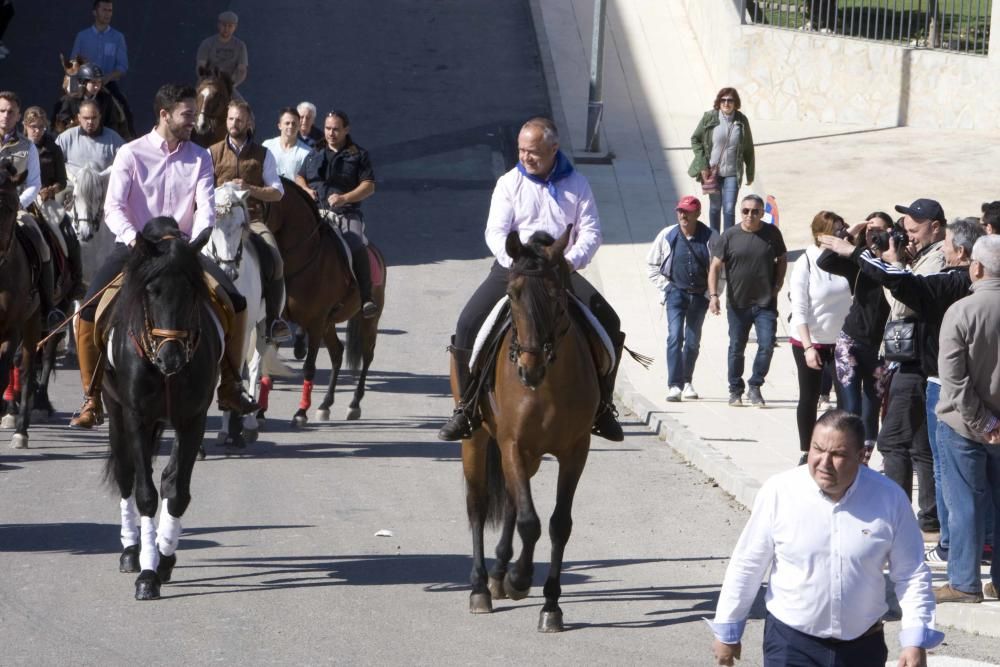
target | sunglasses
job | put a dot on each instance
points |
(727, 100)
(751, 211)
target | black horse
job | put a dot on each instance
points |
(162, 368)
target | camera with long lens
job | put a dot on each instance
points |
(898, 235)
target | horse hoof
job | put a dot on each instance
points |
(166, 568)
(251, 435)
(550, 621)
(353, 414)
(8, 421)
(496, 589)
(261, 421)
(512, 592)
(300, 419)
(480, 603)
(19, 441)
(129, 560)
(147, 586)
(322, 415)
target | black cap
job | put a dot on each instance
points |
(923, 209)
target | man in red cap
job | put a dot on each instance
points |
(678, 264)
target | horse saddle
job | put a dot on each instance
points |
(334, 223)
(497, 323)
(221, 304)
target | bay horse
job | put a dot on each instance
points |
(545, 394)
(20, 323)
(213, 93)
(321, 293)
(162, 367)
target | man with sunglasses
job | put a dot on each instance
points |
(755, 260)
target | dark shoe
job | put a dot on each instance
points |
(804, 459)
(606, 424)
(280, 332)
(948, 594)
(299, 346)
(756, 400)
(736, 399)
(369, 310)
(458, 426)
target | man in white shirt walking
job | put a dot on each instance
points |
(827, 530)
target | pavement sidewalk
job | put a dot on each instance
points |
(656, 86)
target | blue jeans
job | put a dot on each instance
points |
(857, 363)
(685, 316)
(933, 394)
(765, 323)
(971, 477)
(723, 203)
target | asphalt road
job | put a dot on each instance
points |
(279, 562)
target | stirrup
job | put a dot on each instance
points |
(54, 319)
(279, 332)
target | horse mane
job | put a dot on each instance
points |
(297, 189)
(87, 185)
(156, 253)
(534, 264)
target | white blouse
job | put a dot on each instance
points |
(820, 300)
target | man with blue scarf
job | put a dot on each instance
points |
(544, 193)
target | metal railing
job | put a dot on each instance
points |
(962, 26)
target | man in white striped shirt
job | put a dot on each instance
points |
(827, 531)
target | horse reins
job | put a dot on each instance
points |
(547, 350)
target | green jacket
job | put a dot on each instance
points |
(701, 144)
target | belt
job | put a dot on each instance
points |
(874, 630)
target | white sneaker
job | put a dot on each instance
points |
(674, 395)
(689, 391)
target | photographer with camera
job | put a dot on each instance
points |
(856, 352)
(929, 296)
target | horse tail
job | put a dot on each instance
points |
(496, 488)
(355, 343)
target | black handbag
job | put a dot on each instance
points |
(900, 340)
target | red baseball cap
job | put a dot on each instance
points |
(689, 203)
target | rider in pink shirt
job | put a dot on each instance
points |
(160, 174)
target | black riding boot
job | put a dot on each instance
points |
(606, 422)
(363, 272)
(276, 329)
(75, 262)
(460, 425)
(51, 316)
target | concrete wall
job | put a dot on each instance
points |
(800, 75)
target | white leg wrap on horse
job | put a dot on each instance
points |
(130, 522)
(169, 533)
(149, 558)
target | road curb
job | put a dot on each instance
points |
(689, 445)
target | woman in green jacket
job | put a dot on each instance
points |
(722, 142)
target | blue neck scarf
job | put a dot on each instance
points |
(561, 170)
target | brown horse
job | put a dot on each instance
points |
(321, 293)
(543, 402)
(214, 91)
(20, 325)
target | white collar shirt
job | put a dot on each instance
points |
(827, 561)
(522, 205)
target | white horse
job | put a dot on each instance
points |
(229, 247)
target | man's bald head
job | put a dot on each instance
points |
(537, 146)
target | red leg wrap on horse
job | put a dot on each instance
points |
(8, 393)
(15, 380)
(265, 390)
(307, 387)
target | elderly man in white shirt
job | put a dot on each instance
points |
(543, 193)
(827, 531)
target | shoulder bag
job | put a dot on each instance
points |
(900, 340)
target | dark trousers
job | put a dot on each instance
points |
(765, 323)
(495, 287)
(810, 387)
(118, 258)
(904, 445)
(787, 647)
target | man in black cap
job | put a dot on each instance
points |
(903, 438)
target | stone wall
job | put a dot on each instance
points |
(805, 76)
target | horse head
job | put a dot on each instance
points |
(162, 295)
(8, 208)
(225, 246)
(214, 90)
(537, 289)
(86, 201)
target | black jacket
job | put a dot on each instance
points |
(865, 320)
(929, 296)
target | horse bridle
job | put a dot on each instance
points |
(547, 349)
(235, 261)
(210, 121)
(151, 338)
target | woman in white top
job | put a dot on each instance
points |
(820, 302)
